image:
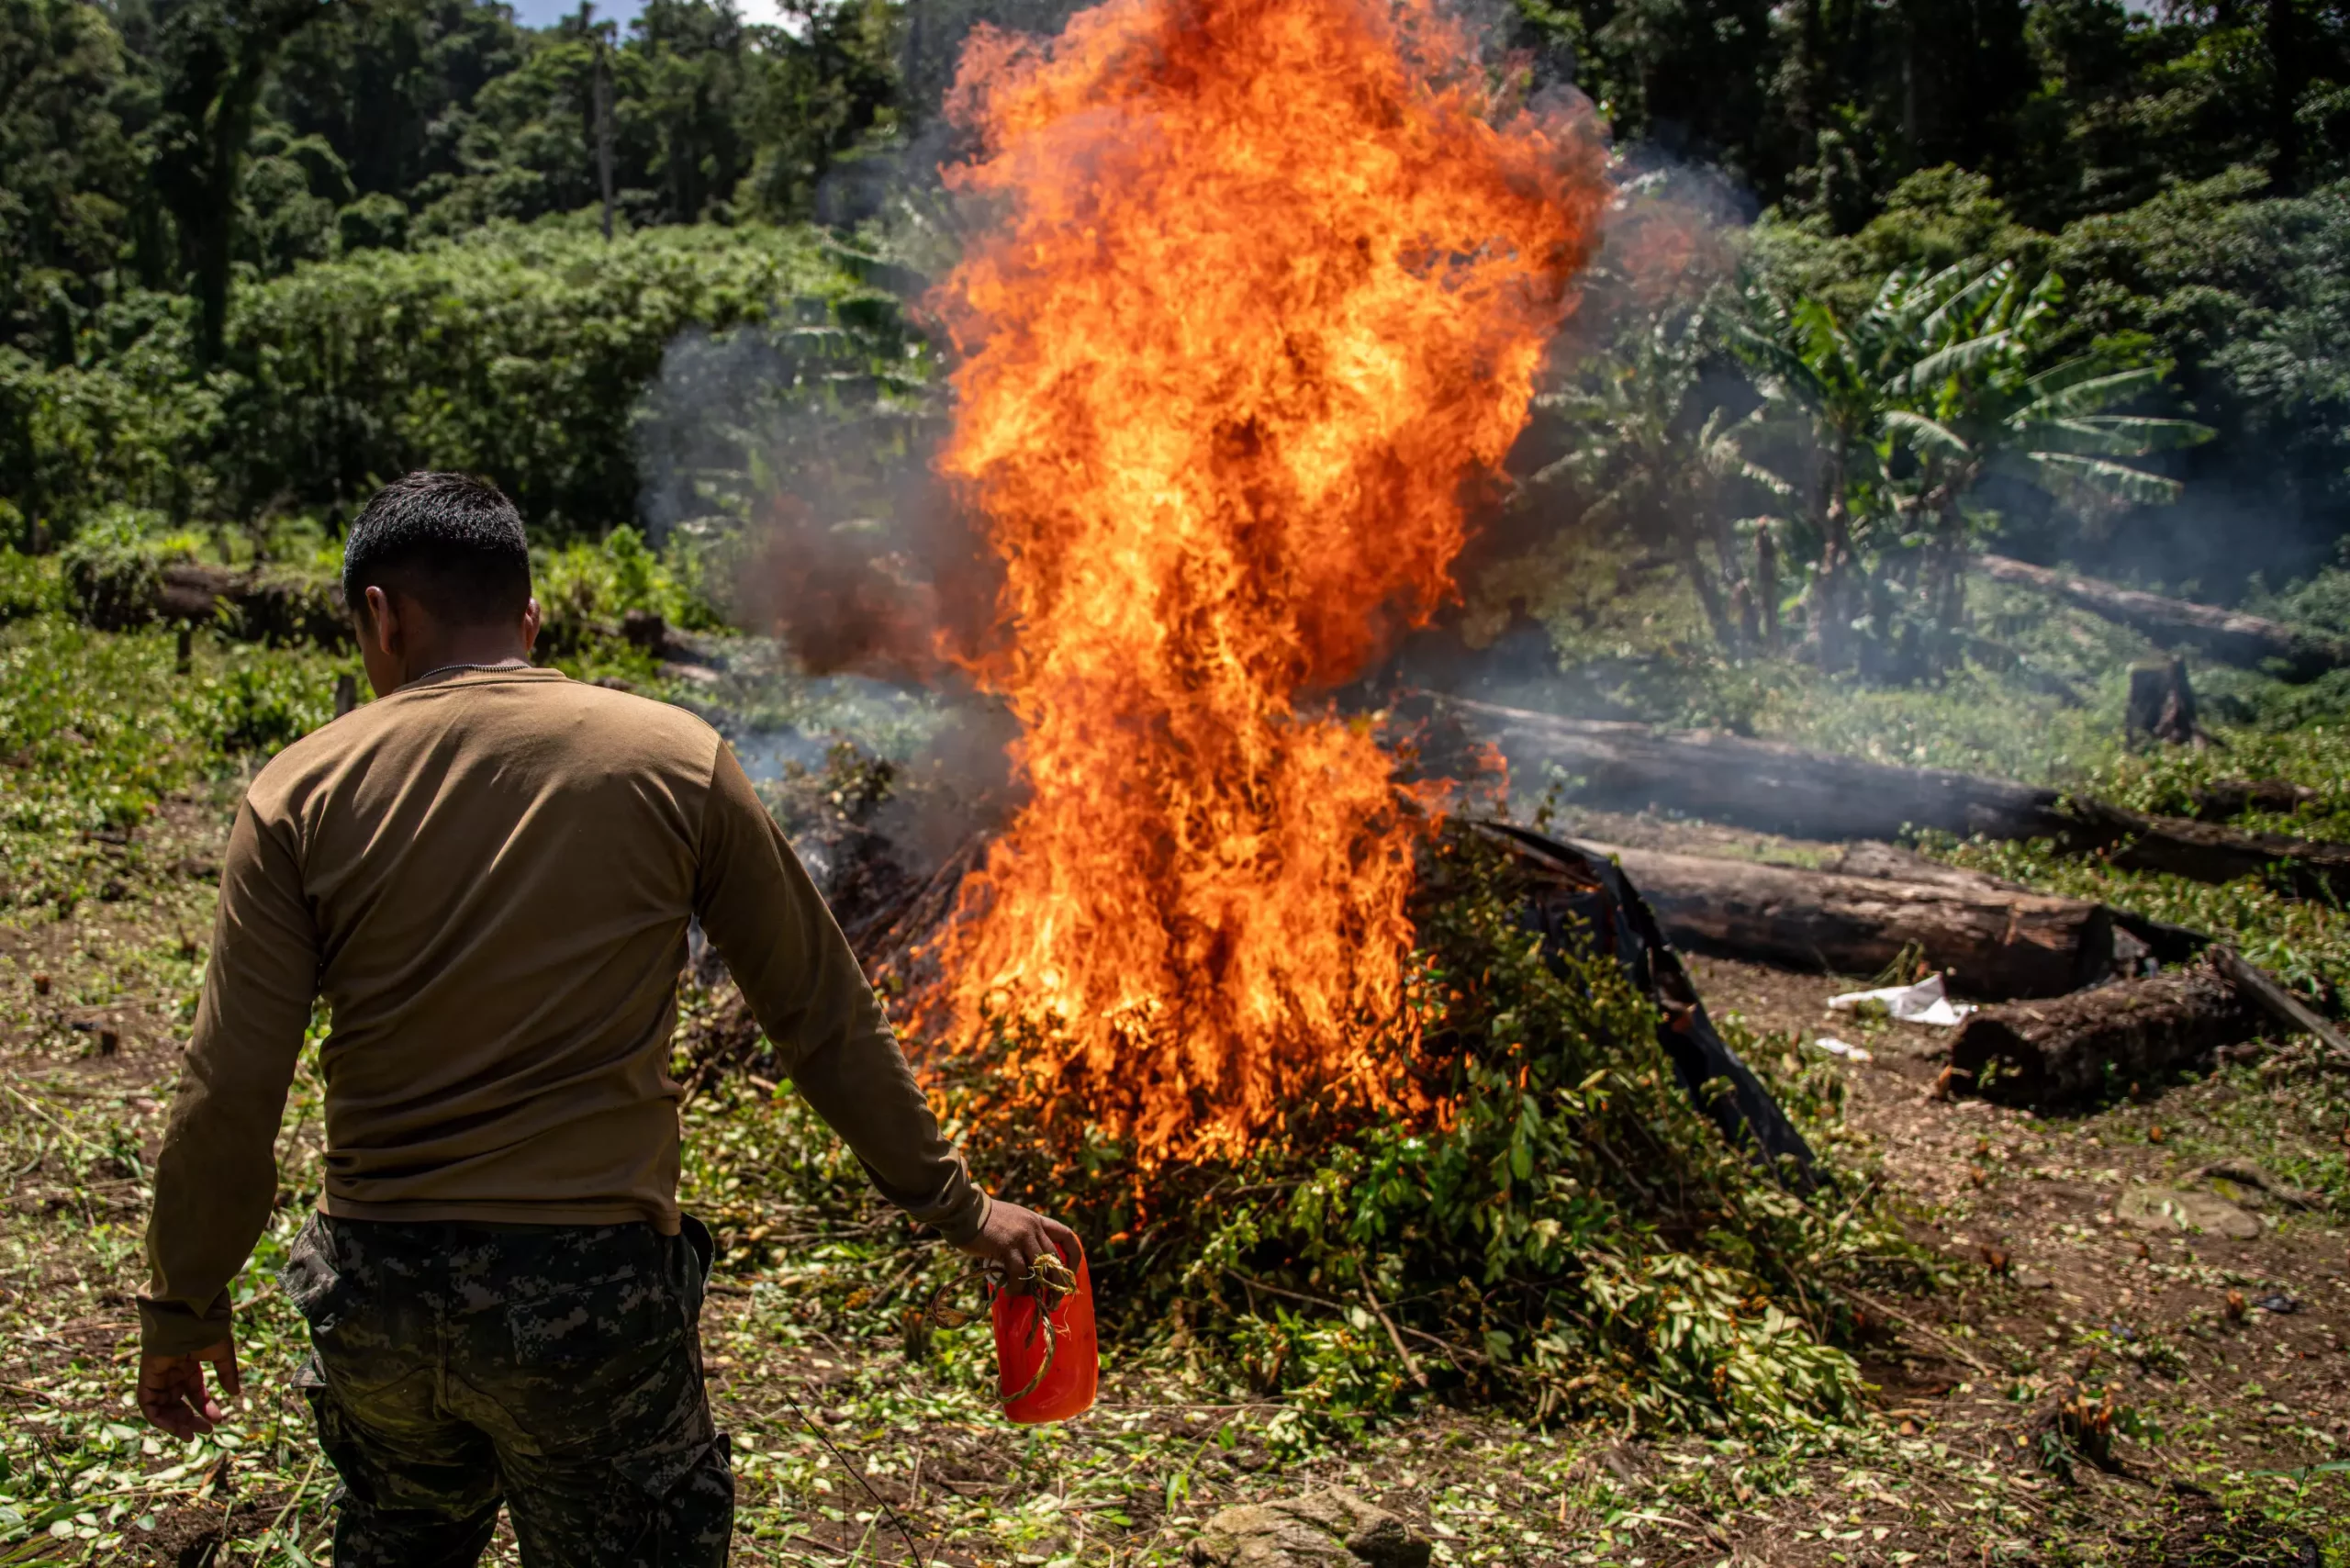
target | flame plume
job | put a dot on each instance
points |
(1269, 285)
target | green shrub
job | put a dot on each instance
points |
(585, 583)
(255, 705)
(515, 352)
(130, 430)
(29, 584)
(114, 569)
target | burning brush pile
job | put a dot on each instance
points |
(1256, 311)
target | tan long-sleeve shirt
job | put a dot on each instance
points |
(487, 875)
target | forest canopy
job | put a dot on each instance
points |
(257, 256)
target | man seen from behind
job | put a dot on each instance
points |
(487, 875)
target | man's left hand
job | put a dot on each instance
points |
(1012, 1238)
(171, 1392)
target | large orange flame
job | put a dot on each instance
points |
(1268, 284)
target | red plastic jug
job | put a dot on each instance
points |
(1045, 1359)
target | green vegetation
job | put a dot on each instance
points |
(99, 730)
(519, 352)
(1513, 1242)
(254, 261)
(2043, 275)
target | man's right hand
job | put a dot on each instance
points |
(1012, 1238)
(171, 1392)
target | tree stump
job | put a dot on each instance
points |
(2161, 705)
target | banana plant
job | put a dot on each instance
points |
(1941, 382)
(1650, 451)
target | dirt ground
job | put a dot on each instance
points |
(2221, 1364)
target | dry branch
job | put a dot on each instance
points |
(2262, 990)
(2223, 635)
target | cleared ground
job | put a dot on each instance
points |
(2227, 1361)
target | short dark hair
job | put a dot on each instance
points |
(450, 542)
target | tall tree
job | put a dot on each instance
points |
(216, 57)
(70, 176)
(392, 85)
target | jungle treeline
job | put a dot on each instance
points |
(2060, 274)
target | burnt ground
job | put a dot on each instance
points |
(2226, 1360)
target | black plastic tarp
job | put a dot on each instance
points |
(1575, 897)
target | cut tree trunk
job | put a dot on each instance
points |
(1991, 943)
(2224, 634)
(2082, 1046)
(259, 605)
(1804, 794)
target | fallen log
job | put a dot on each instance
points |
(1891, 863)
(2231, 797)
(1991, 943)
(1805, 794)
(2228, 635)
(2080, 1047)
(256, 605)
(1707, 774)
(2207, 852)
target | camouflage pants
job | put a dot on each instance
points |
(556, 1368)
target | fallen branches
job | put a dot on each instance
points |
(1459, 1354)
(2227, 635)
(1871, 1303)
(1370, 1298)
(1575, 895)
(2262, 988)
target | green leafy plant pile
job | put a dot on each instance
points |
(1564, 1231)
(114, 570)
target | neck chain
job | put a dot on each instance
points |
(444, 669)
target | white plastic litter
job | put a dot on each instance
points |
(1845, 1049)
(1925, 1002)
